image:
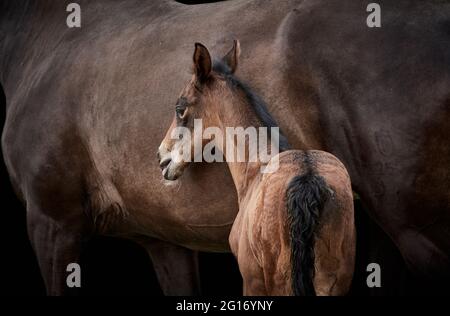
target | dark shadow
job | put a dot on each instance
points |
(219, 274)
(113, 266)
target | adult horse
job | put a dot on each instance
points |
(86, 108)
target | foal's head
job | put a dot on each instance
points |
(200, 99)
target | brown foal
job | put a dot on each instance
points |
(294, 233)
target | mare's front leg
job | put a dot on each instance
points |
(176, 267)
(56, 245)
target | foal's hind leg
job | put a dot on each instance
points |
(176, 267)
(56, 245)
(252, 273)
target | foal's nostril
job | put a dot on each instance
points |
(165, 163)
(158, 155)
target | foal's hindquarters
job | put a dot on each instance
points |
(296, 226)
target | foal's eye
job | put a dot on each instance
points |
(180, 111)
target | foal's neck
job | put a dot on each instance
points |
(240, 113)
(245, 177)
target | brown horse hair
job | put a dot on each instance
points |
(306, 196)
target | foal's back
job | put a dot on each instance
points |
(279, 218)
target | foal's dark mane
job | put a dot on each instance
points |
(257, 103)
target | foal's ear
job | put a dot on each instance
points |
(231, 58)
(202, 62)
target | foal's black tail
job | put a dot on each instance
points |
(306, 196)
